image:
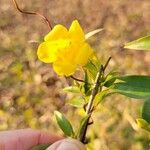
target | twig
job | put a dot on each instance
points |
(76, 79)
(95, 90)
(105, 66)
(32, 13)
(89, 109)
(90, 103)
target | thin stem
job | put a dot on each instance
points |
(76, 79)
(105, 66)
(32, 13)
(95, 90)
(90, 106)
(90, 103)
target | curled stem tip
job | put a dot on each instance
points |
(32, 13)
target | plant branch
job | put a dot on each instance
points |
(95, 90)
(90, 107)
(32, 13)
(90, 103)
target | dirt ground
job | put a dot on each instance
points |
(30, 91)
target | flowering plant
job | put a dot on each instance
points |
(69, 51)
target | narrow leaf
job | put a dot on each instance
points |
(110, 79)
(72, 89)
(146, 111)
(91, 69)
(77, 102)
(133, 86)
(99, 97)
(90, 34)
(64, 124)
(140, 44)
(83, 125)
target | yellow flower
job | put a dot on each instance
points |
(66, 49)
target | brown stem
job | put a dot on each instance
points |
(105, 66)
(32, 13)
(76, 79)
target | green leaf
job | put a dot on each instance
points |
(40, 147)
(64, 124)
(77, 102)
(143, 124)
(72, 89)
(146, 111)
(92, 67)
(99, 97)
(90, 34)
(83, 125)
(133, 86)
(110, 79)
(91, 70)
(140, 44)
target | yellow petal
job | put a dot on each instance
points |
(76, 32)
(64, 68)
(83, 54)
(47, 52)
(57, 32)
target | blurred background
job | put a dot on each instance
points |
(30, 91)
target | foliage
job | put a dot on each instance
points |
(140, 84)
(140, 44)
(64, 124)
(91, 88)
(133, 86)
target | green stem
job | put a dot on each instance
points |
(90, 103)
(95, 90)
(89, 108)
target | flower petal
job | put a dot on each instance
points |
(65, 49)
(76, 32)
(83, 54)
(47, 52)
(58, 32)
(64, 68)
